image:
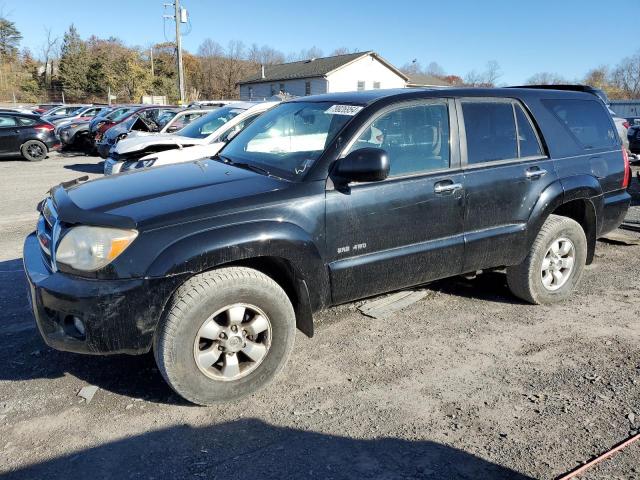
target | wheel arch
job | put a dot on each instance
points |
(289, 257)
(579, 198)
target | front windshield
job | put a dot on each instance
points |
(205, 126)
(289, 138)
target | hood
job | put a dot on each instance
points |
(148, 142)
(184, 192)
(186, 154)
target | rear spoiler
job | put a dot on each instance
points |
(569, 88)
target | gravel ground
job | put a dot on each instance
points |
(467, 383)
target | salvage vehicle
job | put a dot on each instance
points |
(106, 122)
(168, 121)
(26, 135)
(146, 116)
(62, 111)
(323, 200)
(202, 138)
(146, 120)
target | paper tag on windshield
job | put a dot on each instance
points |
(350, 110)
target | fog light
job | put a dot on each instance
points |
(79, 325)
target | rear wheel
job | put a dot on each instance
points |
(227, 333)
(554, 265)
(34, 150)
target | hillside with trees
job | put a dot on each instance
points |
(79, 69)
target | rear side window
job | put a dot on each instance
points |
(25, 122)
(586, 120)
(527, 138)
(491, 131)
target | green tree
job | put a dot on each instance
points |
(74, 65)
(9, 40)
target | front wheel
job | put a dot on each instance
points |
(554, 265)
(34, 150)
(226, 334)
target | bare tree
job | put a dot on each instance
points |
(546, 78)
(48, 52)
(435, 69)
(626, 76)
(264, 55)
(492, 73)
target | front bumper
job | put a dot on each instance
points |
(119, 316)
(103, 149)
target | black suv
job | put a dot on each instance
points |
(320, 201)
(26, 135)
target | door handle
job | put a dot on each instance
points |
(447, 187)
(535, 172)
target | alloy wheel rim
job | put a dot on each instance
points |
(35, 150)
(232, 342)
(557, 264)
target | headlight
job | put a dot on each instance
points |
(136, 164)
(91, 248)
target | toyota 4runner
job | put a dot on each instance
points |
(322, 200)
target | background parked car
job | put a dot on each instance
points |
(86, 113)
(62, 111)
(202, 138)
(45, 107)
(171, 122)
(26, 135)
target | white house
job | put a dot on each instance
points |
(340, 73)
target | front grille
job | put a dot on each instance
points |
(48, 232)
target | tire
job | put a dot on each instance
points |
(527, 280)
(190, 315)
(34, 150)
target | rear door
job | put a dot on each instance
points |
(407, 229)
(505, 170)
(9, 135)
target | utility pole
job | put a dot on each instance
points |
(179, 48)
(151, 55)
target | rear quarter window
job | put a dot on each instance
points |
(587, 122)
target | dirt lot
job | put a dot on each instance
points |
(467, 383)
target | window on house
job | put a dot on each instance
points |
(307, 88)
(273, 90)
(282, 88)
(361, 85)
(376, 85)
(250, 93)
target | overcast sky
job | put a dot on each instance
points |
(563, 36)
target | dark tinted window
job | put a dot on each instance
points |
(529, 145)
(415, 138)
(587, 121)
(491, 131)
(7, 121)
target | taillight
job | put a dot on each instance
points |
(45, 127)
(626, 125)
(627, 169)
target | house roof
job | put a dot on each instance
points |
(426, 80)
(318, 67)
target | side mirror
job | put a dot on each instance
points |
(364, 165)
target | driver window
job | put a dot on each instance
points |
(416, 138)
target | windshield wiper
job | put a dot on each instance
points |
(245, 165)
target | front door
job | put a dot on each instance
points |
(407, 229)
(505, 171)
(9, 135)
